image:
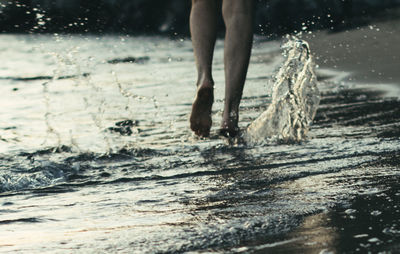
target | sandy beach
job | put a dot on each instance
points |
(97, 154)
(370, 53)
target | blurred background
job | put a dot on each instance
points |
(273, 17)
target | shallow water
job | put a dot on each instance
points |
(73, 177)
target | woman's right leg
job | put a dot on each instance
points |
(238, 18)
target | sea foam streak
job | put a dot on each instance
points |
(295, 98)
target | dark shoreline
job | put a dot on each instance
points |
(367, 223)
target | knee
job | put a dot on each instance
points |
(206, 5)
(231, 8)
(203, 1)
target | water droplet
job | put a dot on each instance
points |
(374, 240)
(376, 213)
(361, 236)
(350, 211)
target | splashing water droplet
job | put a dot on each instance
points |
(295, 98)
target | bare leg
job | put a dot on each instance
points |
(203, 18)
(238, 18)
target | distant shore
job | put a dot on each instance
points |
(171, 17)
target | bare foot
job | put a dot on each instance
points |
(200, 118)
(229, 126)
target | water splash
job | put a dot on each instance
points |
(49, 115)
(295, 98)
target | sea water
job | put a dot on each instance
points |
(97, 156)
(295, 98)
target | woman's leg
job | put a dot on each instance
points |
(203, 28)
(238, 18)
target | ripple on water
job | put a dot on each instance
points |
(159, 189)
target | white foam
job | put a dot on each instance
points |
(295, 98)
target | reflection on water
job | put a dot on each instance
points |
(99, 157)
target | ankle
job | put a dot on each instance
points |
(231, 111)
(230, 119)
(205, 81)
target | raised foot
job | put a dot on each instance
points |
(200, 118)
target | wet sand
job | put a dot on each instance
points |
(105, 161)
(369, 59)
(371, 53)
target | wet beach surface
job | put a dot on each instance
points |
(369, 53)
(97, 156)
